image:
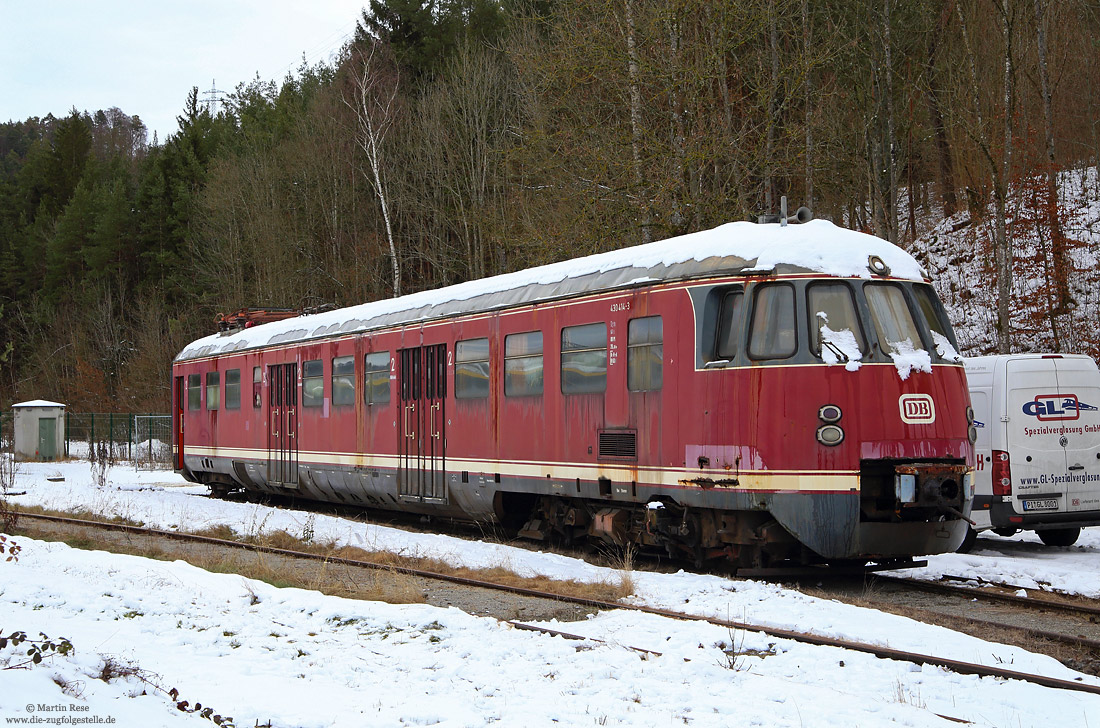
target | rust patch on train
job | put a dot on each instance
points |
(708, 483)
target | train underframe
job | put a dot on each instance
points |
(745, 531)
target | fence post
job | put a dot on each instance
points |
(91, 440)
(130, 436)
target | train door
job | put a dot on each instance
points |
(423, 385)
(282, 434)
(178, 399)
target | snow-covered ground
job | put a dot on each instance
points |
(298, 658)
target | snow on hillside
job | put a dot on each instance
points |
(957, 252)
(298, 658)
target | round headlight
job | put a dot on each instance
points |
(829, 413)
(969, 415)
(972, 434)
(830, 435)
(877, 266)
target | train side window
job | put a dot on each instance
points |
(523, 364)
(257, 383)
(313, 383)
(212, 390)
(729, 325)
(343, 380)
(773, 334)
(893, 320)
(194, 391)
(472, 369)
(644, 354)
(832, 305)
(233, 389)
(376, 378)
(584, 359)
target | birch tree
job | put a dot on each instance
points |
(374, 100)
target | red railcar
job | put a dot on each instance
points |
(757, 393)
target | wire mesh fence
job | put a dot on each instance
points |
(144, 439)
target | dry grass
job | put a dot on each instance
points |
(84, 514)
(387, 584)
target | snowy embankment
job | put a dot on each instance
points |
(298, 658)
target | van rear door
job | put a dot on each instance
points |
(1035, 420)
(1079, 380)
(1053, 434)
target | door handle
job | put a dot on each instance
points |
(435, 435)
(1076, 467)
(275, 422)
(290, 423)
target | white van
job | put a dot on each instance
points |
(1038, 445)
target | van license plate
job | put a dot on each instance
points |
(1041, 505)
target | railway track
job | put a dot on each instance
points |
(1073, 624)
(586, 603)
(1090, 612)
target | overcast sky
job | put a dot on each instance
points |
(143, 56)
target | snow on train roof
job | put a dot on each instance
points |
(817, 246)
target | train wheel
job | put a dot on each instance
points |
(1059, 536)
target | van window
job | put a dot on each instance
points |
(729, 325)
(194, 391)
(772, 335)
(523, 364)
(644, 354)
(584, 359)
(893, 320)
(212, 390)
(233, 389)
(313, 383)
(343, 380)
(376, 378)
(472, 369)
(836, 302)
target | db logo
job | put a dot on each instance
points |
(917, 409)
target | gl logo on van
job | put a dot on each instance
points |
(1048, 407)
(917, 409)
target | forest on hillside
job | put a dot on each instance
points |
(455, 139)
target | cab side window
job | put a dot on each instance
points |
(772, 334)
(729, 326)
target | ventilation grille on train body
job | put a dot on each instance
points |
(619, 444)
